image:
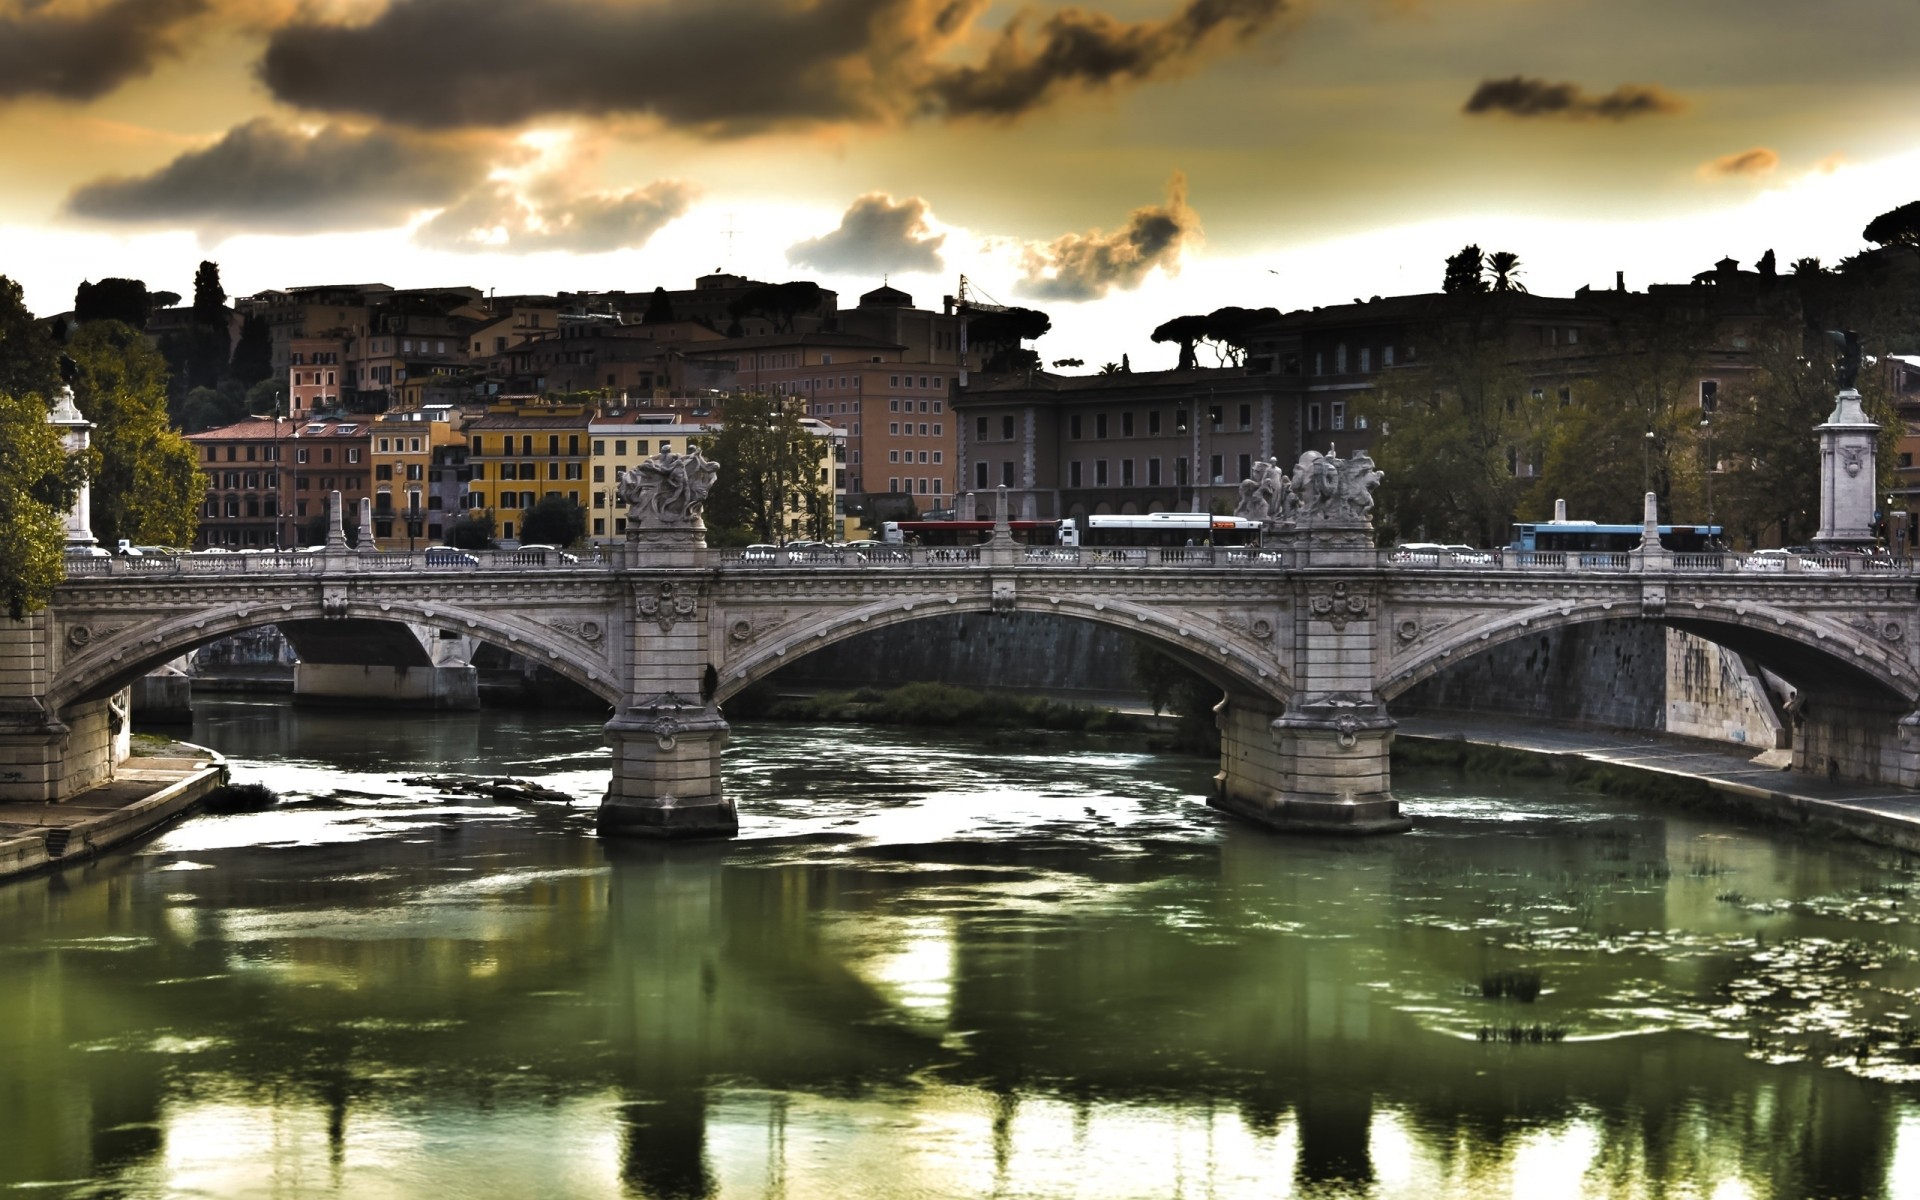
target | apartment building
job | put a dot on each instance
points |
(517, 456)
(405, 447)
(268, 480)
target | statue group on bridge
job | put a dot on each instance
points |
(1322, 490)
(667, 489)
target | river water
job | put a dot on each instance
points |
(942, 966)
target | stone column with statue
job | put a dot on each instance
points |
(1848, 461)
(1320, 762)
(668, 735)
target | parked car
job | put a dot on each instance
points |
(1770, 561)
(555, 551)
(87, 552)
(1419, 552)
(1467, 554)
(760, 552)
(450, 556)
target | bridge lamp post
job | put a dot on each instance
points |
(1646, 463)
(1706, 423)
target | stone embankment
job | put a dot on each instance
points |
(1738, 779)
(145, 794)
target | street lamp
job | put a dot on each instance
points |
(1646, 464)
(1706, 423)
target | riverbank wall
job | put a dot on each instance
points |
(146, 794)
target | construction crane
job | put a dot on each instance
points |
(960, 306)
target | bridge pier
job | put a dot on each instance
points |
(666, 775)
(1320, 766)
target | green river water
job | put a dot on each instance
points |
(938, 966)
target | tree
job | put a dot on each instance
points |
(659, 309)
(779, 303)
(149, 486)
(1896, 227)
(769, 471)
(1187, 331)
(1503, 271)
(210, 408)
(209, 347)
(268, 397)
(29, 359)
(1465, 273)
(253, 354)
(123, 300)
(553, 521)
(38, 484)
(1451, 436)
(1000, 336)
(472, 533)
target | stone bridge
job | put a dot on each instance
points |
(1308, 643)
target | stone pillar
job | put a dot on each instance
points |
(668, 736)
(76, 434)
(336, 525)
(1651, 555)
(1848, 498)
(364, 535)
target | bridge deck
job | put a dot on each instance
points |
(1872, 812)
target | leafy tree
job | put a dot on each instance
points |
(253, 355)
(769, 470)
(659, 309)
(1806, 267)
(553, 521)
(210, 408)
(1187, 331)
(209, 348)
(149, 486)
(1171, 686)
(1503, 271)
(1896, 227)
(472, 533)
(29, 359)
(1465, 273)
(1768, 490)
(1451, 434)
(1600, 458)
(779, 303)
(38, 484)
(999, 336)
(268, 397)
(123, 300)
(1110, 368)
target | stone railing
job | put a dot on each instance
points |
(317, 562)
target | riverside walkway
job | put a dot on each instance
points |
(1748, 781)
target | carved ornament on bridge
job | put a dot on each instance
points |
(1411, 629)
(333, 600)
(1258, 628)
(666, 490)
(1337, 607)
(1322, 490)
(1889, 631)
(586, 631)
(1853, 459)
(744, 629)
(668, 608)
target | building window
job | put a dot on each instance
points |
(1366, 358)
(980, 429)
(1100, 425)
(1216, 418)
(1006, 473)
(599, 474)
(893, 456)
(1153, 422)
(1006, 426)
(1073, 427)
(1126, 472)
(1338, 410)
(1100, 472)
(1180, 471)
(1313, 418)
(1217, 469)
(1246, 416)
(1153, 472)
(1319, 362)
(1126, 424)
(1073, 474)
(980, 474)
(1709, 395)
(1246, 466)
(893, 428)
(1386, 356)
(1340, 359)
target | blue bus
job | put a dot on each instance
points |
(1577, 536)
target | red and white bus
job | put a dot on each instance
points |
(1170, 529)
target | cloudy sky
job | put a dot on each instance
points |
(1116, 162)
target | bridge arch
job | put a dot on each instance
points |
(94, 669)
(1812, 653)
(1237, 661)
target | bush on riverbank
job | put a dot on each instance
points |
(930, 704)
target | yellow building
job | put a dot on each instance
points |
(519, 455)
(404, 444)
(620, 443)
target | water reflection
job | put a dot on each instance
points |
(934, 967)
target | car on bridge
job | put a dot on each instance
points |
(555, 552)
(450, 556)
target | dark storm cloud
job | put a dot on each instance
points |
(727, 66)
(1523, 97)
(876, 236)
(496, 219)
(1080, 49)
(1086, 266)
(264, 177)
(79, 53)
